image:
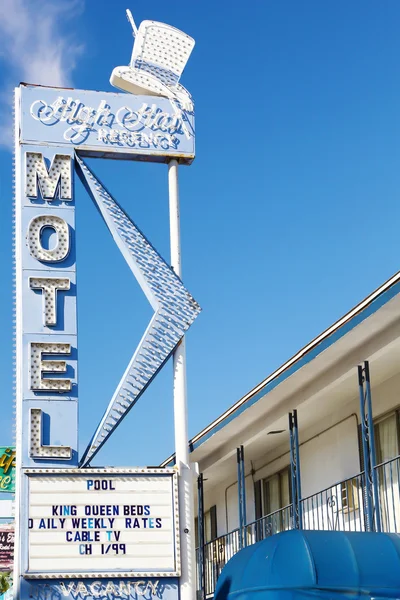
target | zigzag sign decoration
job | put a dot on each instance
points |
(175, 309)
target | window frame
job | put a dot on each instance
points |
(377, 421)
(260, 493)
(393, 411)
(212, 513)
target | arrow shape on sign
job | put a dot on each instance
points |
(175, 309)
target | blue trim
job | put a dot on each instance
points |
(369, 310)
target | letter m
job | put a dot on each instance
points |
(56, 180)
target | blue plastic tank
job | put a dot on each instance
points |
(300, 565)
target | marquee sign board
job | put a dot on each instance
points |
(74, 523)
(99, 522)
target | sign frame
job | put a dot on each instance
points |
(106, 124)
(106, 472)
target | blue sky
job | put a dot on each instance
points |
(289, 213)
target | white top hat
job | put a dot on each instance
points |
(160, 53)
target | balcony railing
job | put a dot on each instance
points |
(389, 495)
(216, 555)
(340, 507)
(337, 508)
(280, 520)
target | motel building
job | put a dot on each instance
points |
(334, 488)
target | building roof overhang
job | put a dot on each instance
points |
(354, 337)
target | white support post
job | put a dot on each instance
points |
(186, 507)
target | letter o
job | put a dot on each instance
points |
(60, 251)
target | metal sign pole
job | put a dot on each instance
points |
(186, 506)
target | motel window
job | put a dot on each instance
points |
(387, 438)
(351, 494)
(272, 493)
(210, 526)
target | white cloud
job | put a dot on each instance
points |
(37, 45)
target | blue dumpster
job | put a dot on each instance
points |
(300, 565)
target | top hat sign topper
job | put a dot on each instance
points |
(159, 56)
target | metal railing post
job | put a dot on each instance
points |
(295, 471)
(240, 496)
(293, 484)
(244, 516)
(298, 473)
(372, 452)
(366, 455)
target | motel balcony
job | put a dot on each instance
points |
(340, 507)
(339, 488)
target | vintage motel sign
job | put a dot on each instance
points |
(83, 531)
(7, 469)
(6, 548)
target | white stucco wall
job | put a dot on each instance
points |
(330, 457)
(232, 512)
(386, 396)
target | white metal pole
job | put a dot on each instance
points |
(186, 507)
